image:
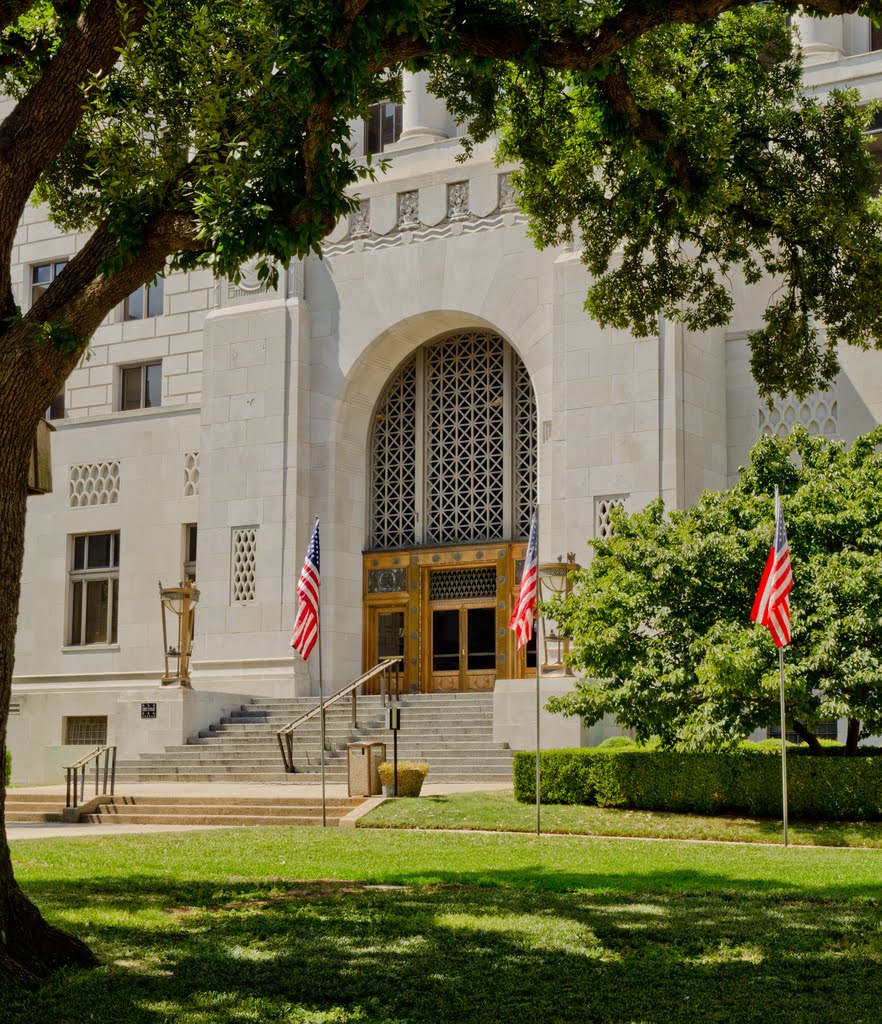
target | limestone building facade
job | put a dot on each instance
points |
(419, 389)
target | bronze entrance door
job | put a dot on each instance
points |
(463, 653)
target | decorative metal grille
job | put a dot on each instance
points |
(244, 567)
(465, 435)
(83, 729)
(603, 528)
(191, 474)
(441, 465)
(525, 493)
(819, 414)
(94, 483)
(387, 581)
(462, 584)
(394, 463)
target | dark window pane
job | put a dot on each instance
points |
(482, 638)
(388, 124)
(56, 410)
(131, 388)
(115, 537)
(79, 553)
(76, 614)
(59, 266)
(114, 609)
(192, 534)
(41, 274)
(875, 38)
(531, 650)
(390, 634)
(373, 131)
(135, 305)
(154, 298)
(96, 611)
(153, 387)
(445, 640)
(98, 556)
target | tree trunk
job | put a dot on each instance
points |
(29, 947)
(814, 743)
(852, 737)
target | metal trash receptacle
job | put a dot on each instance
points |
(363, 760)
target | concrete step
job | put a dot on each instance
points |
(21, 815)
(207, 819)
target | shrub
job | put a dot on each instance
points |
(616, 743)
(410, 776)
(741, 781)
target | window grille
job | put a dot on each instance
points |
(244, 567)
(85, 730)
(191, 474)
(454, 452)
(828, 729)
(462, 584)
(394, 463)
(603, 506)
(95, 483)
(465, 439)
(818, 413)
(525, 493)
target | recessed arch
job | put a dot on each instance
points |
(453, 446)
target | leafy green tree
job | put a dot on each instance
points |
(671, 137)
(660, 620)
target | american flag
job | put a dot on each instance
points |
(772, 607)
(521, 620)
(306, 626)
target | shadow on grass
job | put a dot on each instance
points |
(225, 953)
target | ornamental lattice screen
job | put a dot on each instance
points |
(454, 453)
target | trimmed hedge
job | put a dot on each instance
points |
(743, 781)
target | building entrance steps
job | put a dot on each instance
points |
(452, 732)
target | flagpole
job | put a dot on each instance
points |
(783, 712)
(321, 713)
(538, 701)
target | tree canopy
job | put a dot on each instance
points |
(660, 620)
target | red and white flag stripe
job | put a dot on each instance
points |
(521, 620)
(771, 608)
(306, 625)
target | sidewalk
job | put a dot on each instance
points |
(65, 830)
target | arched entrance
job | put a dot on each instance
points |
(453, 471)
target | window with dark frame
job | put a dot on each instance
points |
(145, 301)
(42, 275)
(141, 386)
(94, 589)
(190, 535)
(382, 127)
(875, 37)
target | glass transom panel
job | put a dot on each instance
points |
(453, 455)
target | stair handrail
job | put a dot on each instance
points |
(75, 774)
(384, 670)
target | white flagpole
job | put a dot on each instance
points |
(321, 702)
(783, 713)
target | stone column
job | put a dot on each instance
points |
(822, 38)
(424, 118)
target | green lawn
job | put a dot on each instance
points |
(305, 925)
(499, 811)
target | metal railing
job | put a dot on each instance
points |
(76, 775)
(389, 673)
